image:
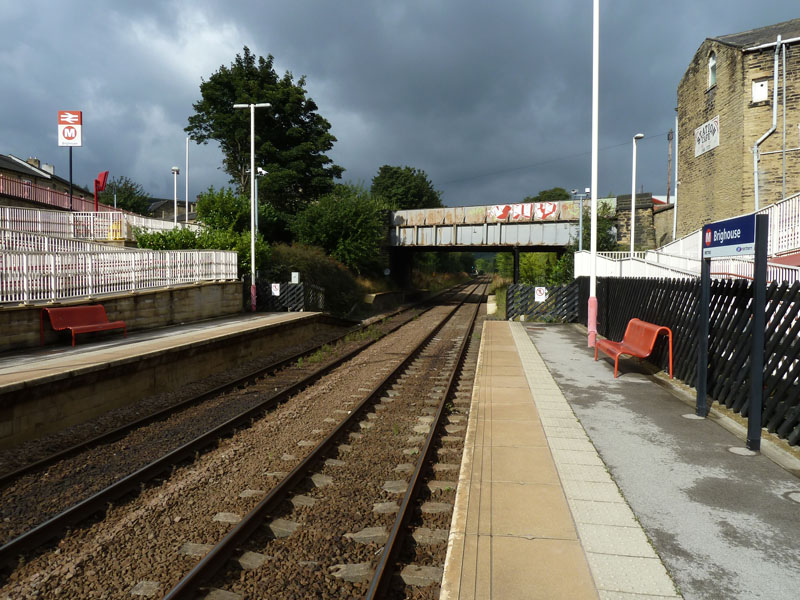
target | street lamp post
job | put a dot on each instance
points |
(175, 172)
(186, 178)
(580, 198)
(636, 138)
(591, 321)
(252, 108)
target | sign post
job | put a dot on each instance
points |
(740, 236)
(70, 125)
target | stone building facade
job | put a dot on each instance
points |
(726, 104)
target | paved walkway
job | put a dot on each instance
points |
(537, 515)
(578, 485)
(55, 362)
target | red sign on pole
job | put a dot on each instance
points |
(70, 123)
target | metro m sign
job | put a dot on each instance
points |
(69, 127)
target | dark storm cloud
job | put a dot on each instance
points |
(492, 100)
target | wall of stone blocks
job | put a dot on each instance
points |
(662, 224)
(139, 310)
(758, 120)
(719, 184)
(710, 184)
(645, 238)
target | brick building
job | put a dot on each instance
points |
(32, 174)
(727, 105)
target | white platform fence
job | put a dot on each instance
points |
(83, 225)
(681, 258)
(657, 264)
(30, 277)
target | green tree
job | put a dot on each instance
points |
(405, 187)
(485, 265)
(563, 270)
(349, 224)
(130, 195)
(291, 138)
(555, 194)
(224, 210)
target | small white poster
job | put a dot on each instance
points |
(276, 289)
(540, 294)
(295, 277)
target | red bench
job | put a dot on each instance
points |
(80, 319)
(639, 339)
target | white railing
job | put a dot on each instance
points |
(688, 245)
(784, 225)
(83, 225)
(784, 231)
(658, 264)
(618, 264)
(28, 277)
(23, 241)
(727, 268)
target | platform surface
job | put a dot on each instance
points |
(53, 361)
(575, 485)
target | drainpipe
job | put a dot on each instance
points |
(774, 121)
(677, 183)
(783, 143)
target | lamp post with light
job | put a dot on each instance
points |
(175, 172)
(253, 108)
(591, 321)
(636, 138)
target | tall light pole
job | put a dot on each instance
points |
(636, 139)
(253, 108)
(186, 178)
(175, 172)
(591, 323)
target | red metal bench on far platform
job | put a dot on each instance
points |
(639, 339)
(80, 319)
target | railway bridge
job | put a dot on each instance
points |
(532, 226)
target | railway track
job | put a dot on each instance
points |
(90, 475)
(179, 455)
(275, 518)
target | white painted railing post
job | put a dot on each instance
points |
(90, 272)
(52, 278)
(25, 279)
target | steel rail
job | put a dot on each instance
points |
(216, 558)
(119, 432)
(99, 501)
(383, 571)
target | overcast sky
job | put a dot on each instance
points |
(491, 100)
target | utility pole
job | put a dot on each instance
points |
(669, 162)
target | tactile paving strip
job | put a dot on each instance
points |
(622, 561)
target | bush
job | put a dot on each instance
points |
(207, 239)
(349, 225)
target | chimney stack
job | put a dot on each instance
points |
(34, 161)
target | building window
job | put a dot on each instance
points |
(712, 69)
(760, 90)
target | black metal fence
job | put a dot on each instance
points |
(674, 303)
(561, 305)
(292, 297)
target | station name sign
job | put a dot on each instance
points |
(70, 123)
(732, 237)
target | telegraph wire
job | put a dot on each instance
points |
(542, 163)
